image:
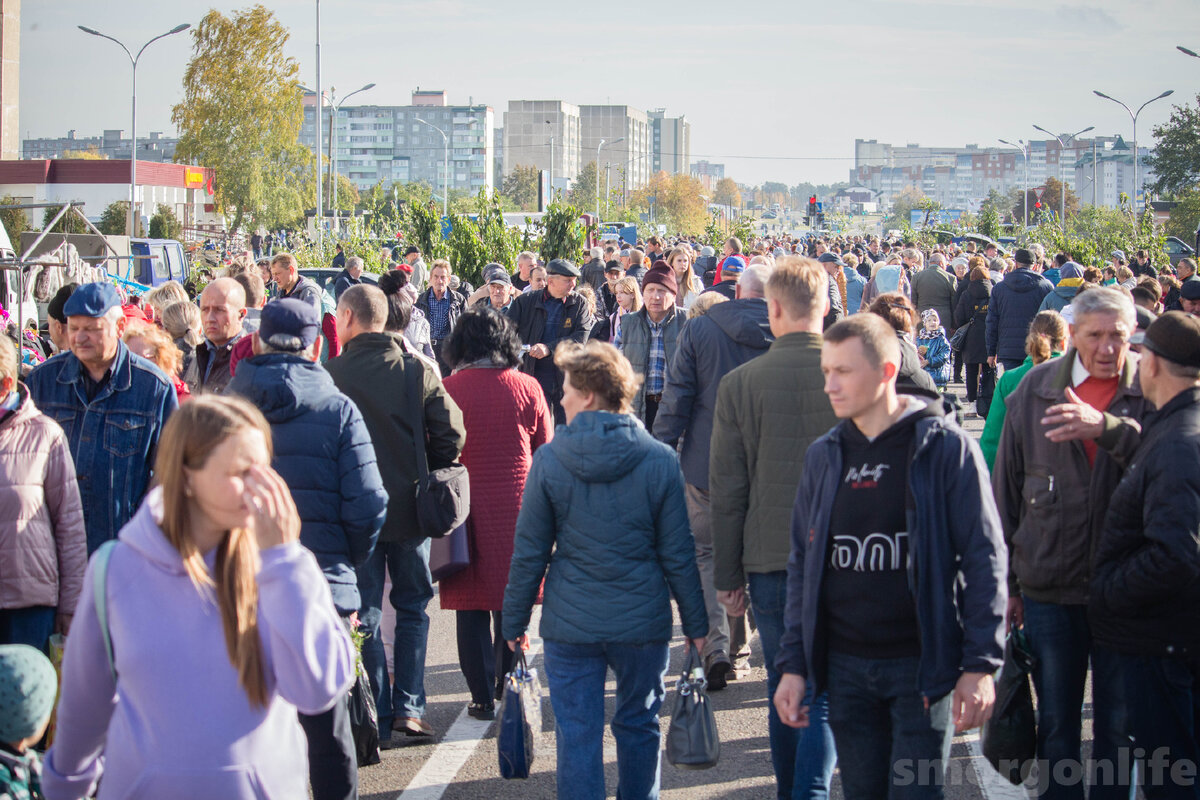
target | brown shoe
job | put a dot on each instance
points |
(411, 726)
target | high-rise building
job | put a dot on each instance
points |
(708, 174)
(10, 78)
(536, 131)
(110, 144)
(391, 144)
(631, 158)
(671, 142)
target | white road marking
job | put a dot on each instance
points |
(459, 743)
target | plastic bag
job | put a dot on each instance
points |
(1009, 738)
(520, 720)
(364, 721)
(692, 741)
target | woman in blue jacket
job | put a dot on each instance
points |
(604, 509)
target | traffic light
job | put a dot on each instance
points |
(812, 210)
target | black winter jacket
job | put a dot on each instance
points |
(973, 307)
(1015, 302)
(1145, 595)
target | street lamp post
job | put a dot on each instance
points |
(1024, 150)
(445, 167)
(1062, 187)
(1133, 116)
(133, 113)
(333, 176)
(602, 143)
(320, 108)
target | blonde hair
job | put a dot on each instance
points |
(188, 440)
(182, 321)
(704, 302)
(601, 369)
(160, 297)
(1047, 332)
(443, 263)
(798, 284)
(630, 285)
(685, 283)
(166, 355)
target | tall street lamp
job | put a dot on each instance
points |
(1062, 187)
(1133, 116)
(133, 114)
(1024, 150)
(602, 143)
(333, 113)
(445, 168)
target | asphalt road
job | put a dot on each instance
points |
(461, 762)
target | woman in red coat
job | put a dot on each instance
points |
(507, 418)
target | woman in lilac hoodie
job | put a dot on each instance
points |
(221, 625)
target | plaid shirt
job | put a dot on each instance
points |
(439, 315)
(656, 366)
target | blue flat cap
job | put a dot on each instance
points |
(289, 324)
(92, 300)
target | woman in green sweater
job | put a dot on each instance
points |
(1047, 338)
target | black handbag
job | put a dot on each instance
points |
(449, 555)
(364, 722)
(959, 339)
(443, 497)
(520, 720)
(1009, 738)
(692, 741)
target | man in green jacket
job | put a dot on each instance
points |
(769, 411)
(380, 374)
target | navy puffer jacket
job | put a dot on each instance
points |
(323, 452)
(603, 509)
(1015, 302)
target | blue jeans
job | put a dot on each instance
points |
(897, 746)
(31, 626)
(576, 674)
(1061, 641)
(412, 588)
(803, 759)
(1164, 715)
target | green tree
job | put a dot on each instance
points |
(115, 219)
(1185, 217)
(241, 114)
(70, 223)
(584, 189)
(563, 236)
(989, 221)
(521, 187)
(727, 193)
(1051, 198)
(165, 225)
(907, 200)
(1176, 157)
(15, 220)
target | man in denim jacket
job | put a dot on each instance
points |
(112, 405)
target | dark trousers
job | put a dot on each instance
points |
(31, 626)
(1010, 363)
(652, 401)
(483, 655)
(436, 346)
(981, 384)
(332, 763)
(1164, 714)
(958, 366)
(898, 747)
(1061, 641)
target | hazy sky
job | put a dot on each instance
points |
(774, 89)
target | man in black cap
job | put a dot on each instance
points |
(1189, 297)
(1014, 303)
(1145, 589)
(112, 405)
(325, 455)
(832, 264)
(543, 319)
(57, 320)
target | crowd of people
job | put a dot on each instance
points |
(769, 438)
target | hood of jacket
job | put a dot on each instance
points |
(144, 534)
(281, 385)
(600, 446)
(1023, 280)
(1066, 289)
(744, 321)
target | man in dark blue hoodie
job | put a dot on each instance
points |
(324, 453)
(895, 600)
(1015, 302)
(708, 348)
